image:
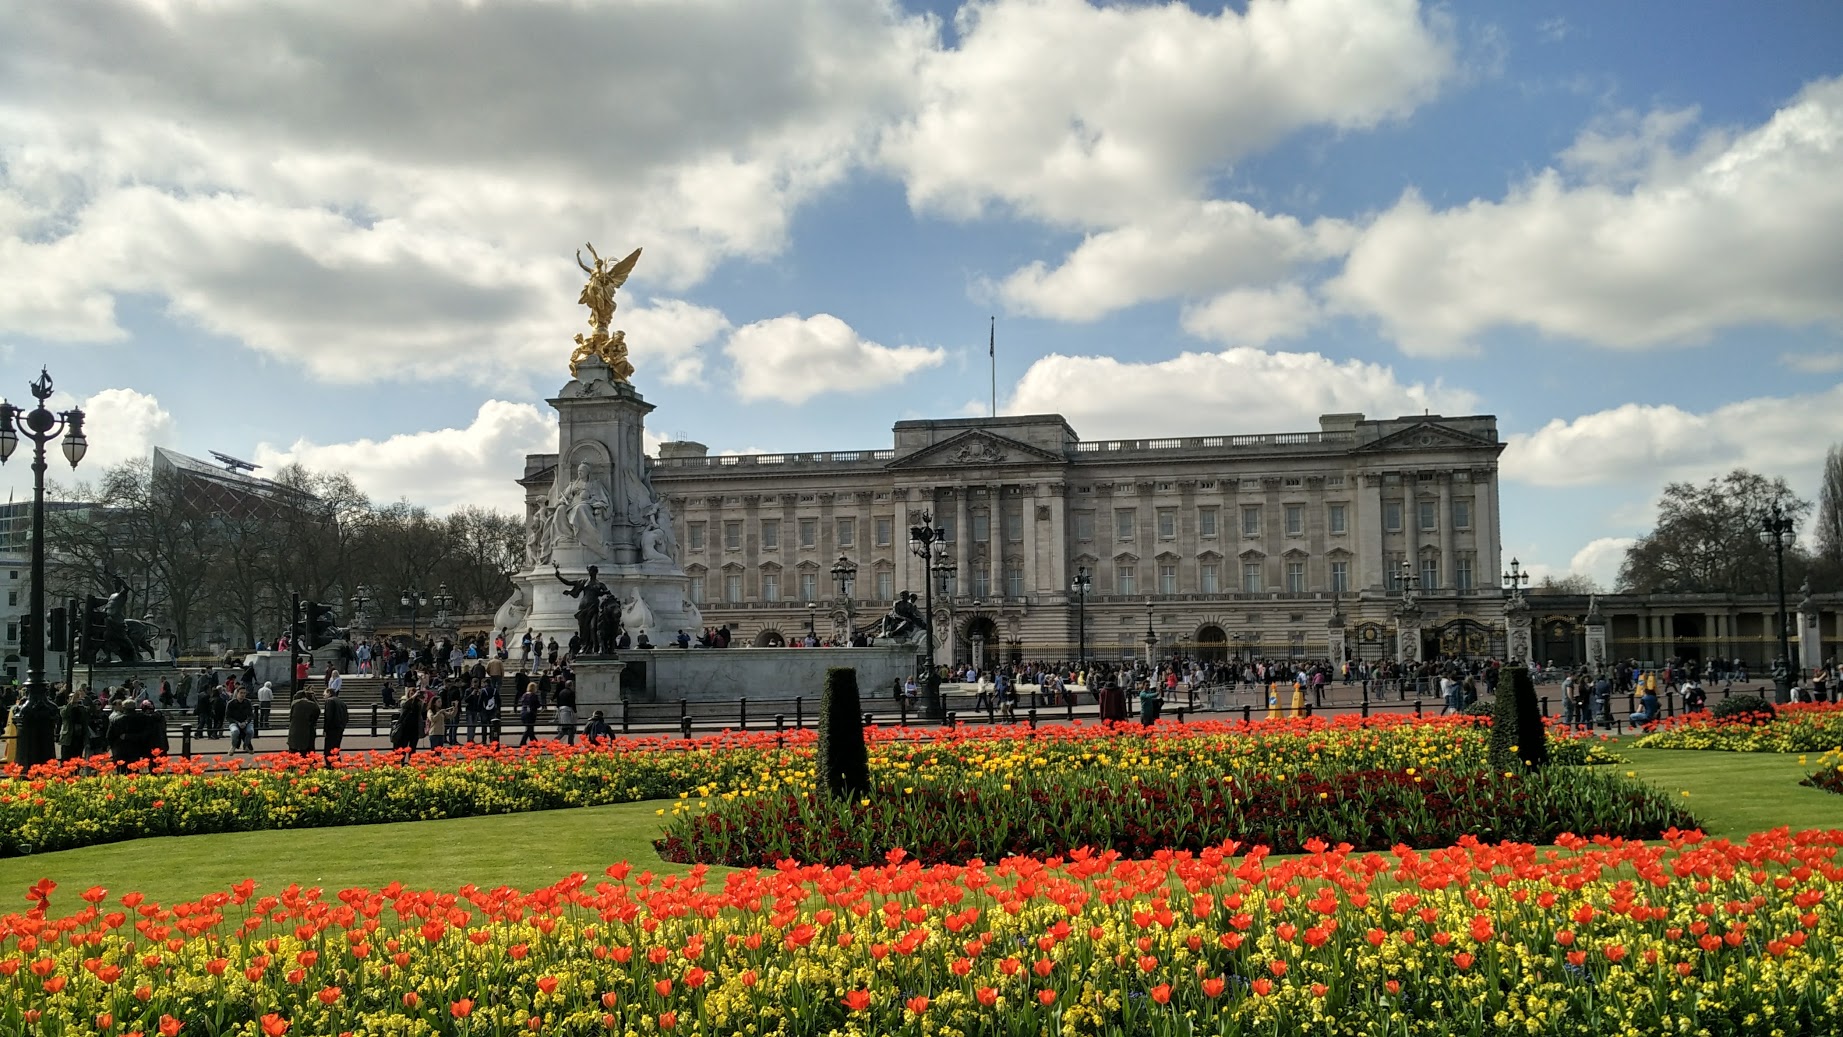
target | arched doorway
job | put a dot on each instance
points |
(769, 639)
(1212, 644)
(981, 641)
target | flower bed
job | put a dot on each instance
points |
(1138, 814)
(1799, 728)
(60, 806)
(1829, 773)
(1608, 937)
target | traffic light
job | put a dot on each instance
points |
(297, 630)
(322, 625)
(60, 629)
(95, 631)
(28, 629)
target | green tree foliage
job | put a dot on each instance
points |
(842, 757)
(1518, 737)
(1707, 539)
(1827, 534)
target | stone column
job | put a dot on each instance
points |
(995, 546)
(1370, 575)
(1810, 635)
(1596, 637)
(962, 546)
(1449, 560)
(1408, 633)
(1517, 630)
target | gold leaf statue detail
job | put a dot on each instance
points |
(598, 296)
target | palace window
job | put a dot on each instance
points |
(1462, 572)
(1337, 520)
(1391, 516)
(1084, 525)
(1251, 520)
(886, 585)
(771, 586)
(885, 529)
(1126, 579)
(771, 534)
(694, 535)
(1014, 581)
(1207, 578)
(732, 588)
(982, 527)
(1206, 522)
(697, 590)
(1295, 577)
(809, 586)
(1295, 520)
(1123, 519)
(1251, 578)
(809, 533)
(1340, 577)
(1462, 514)
(1429, 515)
(732, 536)
(1167, 578)
(1430, 573)
(847, 532)
(1167, 523)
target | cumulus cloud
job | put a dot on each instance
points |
(120, 424)
(1647, 247)
(1601, 559)
(1254, 316)
(1189, 249)
(1096, 115)
(352, 185)
(1242, 390)
(1813, 363)
(440, 469)
(792, 359)
(1655, 442)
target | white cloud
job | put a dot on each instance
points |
(1096, 115)
(1642, 443)
(1655, 248)
(792, 359)
(358, 186)
(1813, 363)
(1240, 390)
(1601, 559)
(1189, 249)
(120, 425)
(1254, 316)
(440, 469)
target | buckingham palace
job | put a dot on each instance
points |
(1362, 538)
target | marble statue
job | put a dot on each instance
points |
(511, 615)
(635, 615)
(582, 514)
(656, 517)
(539, 536)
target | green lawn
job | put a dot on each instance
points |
(1733, 794)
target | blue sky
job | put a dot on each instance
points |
(342, 233)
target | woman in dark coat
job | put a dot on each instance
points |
(303, 723)
(1113, 701)
(407, 731)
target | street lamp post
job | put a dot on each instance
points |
(1080, 585)
(1778, 525)
(1151, 637)
(444, 602)
(812, 613)
(38, 715)
(413, 600)
(1515, 580)
(844, 572)
(922, 541)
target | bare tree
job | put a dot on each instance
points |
(1573, 583)
(1828, 533)
(1707, 538)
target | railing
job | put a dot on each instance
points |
(1271, 439)
(743, 460)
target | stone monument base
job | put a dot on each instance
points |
(598, 686)
(729, 674)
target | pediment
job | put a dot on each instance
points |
(976, 447)
(1429, 435)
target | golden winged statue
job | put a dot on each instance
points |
(598, 296)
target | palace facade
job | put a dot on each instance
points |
(1286, 544)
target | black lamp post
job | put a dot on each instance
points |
(1151, 637)
(413, 600)
(1778, 525)
(361, 602)
(1516, 579)
(1080, 584)
(844, 573)
(812, 613)
(38, 715)
(922, 541)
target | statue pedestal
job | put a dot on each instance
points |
(598, 686)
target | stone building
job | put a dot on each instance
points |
(1284, 544)
(1653, 628)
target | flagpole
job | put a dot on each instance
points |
(992, 352)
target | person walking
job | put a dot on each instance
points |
(74, 732)
(333, 717)
(566, 713)
(265, 702)
(406, 730)
(528, 712)
(303, 722)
